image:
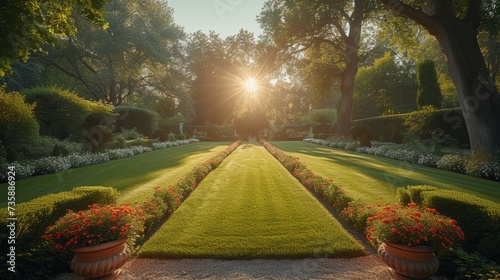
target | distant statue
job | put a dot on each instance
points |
(311, 135)
(181, 128)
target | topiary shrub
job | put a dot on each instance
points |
(365, 141)
(357, 132)
(171, 137)
(99, 135)
(478, 218)
(11, 154)
(160, 134)
(56, 151)
(133, 116)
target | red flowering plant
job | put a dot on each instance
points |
(97, 225)
(412, 225)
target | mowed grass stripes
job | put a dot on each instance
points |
(251, 207)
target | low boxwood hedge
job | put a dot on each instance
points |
(479, 218)
(35, 258)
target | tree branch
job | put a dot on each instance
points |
(414, 14)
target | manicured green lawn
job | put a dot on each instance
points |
(375, 179)
(134, 177)
(251, 207)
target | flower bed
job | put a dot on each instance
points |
(482, 166)
(325, 188)
(53, 164)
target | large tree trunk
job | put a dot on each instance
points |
(351, 69)
(478, 96)
(346, 91)
(477, 93)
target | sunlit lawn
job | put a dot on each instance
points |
(135, 177)
(375, 179)
(251, 207)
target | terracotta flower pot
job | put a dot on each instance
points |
(101, 261)
(409, 262)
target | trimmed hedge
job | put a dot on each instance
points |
(478, 218)
(36, 258)
(437, 124)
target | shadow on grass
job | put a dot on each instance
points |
(122, 174)
(396, 173)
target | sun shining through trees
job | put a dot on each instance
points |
(251, 85)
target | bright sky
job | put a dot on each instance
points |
(225, 17)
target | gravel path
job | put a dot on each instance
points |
(365, 268)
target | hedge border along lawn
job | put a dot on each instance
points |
(375, 179)
(251, 207)
(134, 177)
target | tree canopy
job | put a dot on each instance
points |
(28, 24)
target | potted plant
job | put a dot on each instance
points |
(408, 236)
(98, 236)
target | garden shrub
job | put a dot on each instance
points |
(365, 141)
(35, 258)
(358, 131)
(171, 137)
(412, 194)
(460, 265)
(445, 127)
(18, 124)
(429, 92)
(11, 154)
(99, 135)
(479, 219)
(62, 113)
(43, 146)
(133, 116)
(160, 134)
(56, 151)
(454, 163)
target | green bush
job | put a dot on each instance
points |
(44, 145)
(132, 116)
(63, 114)
(98, 136)
(358, 131)
(171, 137)
(18, 124)
(429, 92)
(412, 194)
(460, 265)
(160, 134)
(35, 257)
(444, 127)
(478, 218)
(365, 141)
(11, 154)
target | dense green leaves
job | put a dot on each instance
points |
(429, 92)
(27, 24)
(18, 125)
(63, 114)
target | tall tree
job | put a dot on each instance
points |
(429, 91)
(385, 87)
(27, 24)
(219, 68)
(139, 52)
(297, 25)
(455, 25)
